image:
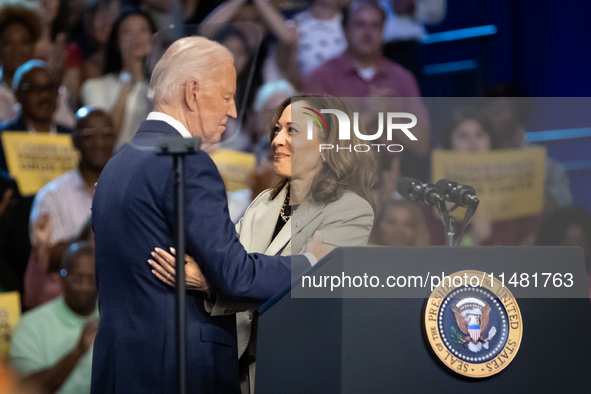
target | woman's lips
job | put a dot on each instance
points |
(279, 156)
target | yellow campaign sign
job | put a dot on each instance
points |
(35, 159)
(10, 310)
(234, 168)
(509, 183)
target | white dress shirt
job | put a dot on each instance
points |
(178, 126)
(67, 199)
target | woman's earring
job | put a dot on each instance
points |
(323, 159)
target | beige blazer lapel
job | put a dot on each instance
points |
(302, 217)
(281, 240)
(284, 237)
(264, 224)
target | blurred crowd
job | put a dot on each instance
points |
(82, 68)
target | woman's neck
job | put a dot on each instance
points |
(46, 30)
(299, 189)
(323, 12)
(89, 175)
(365, 61)
(135, 67)
(42, 126)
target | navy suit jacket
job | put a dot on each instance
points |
(133, 212)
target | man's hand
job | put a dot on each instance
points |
(6, 201)
(87, 337)
(52, 378)
(317, 246)
(41, 232)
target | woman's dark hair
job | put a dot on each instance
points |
(242, 79)
(463, 115)
(345, 171)
(418, 222)
(79, 34)
(520, 102)
(29, 19)
(113, 61)
(229, 31)
(60, 23)
(555, 225)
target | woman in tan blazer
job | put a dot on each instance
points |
(318, 190)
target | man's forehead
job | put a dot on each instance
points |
(93, 118)
(365, 12)
(230, 77)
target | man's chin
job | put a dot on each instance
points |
(214, 139)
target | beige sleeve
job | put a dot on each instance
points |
(347, 222)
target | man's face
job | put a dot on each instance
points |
(364, 31)
(49, 9)
(79, 284)
(135, 37)
(37, 94)
(215, 105)
(470, 137)
(327, 3)
(95, 139)
(501, 115)
(16, 47)
(396, 228)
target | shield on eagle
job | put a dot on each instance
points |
(474, 331)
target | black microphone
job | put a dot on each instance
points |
(462, 195)
(414, 190)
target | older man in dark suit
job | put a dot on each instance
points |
(194, 85)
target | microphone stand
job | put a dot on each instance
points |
(449, 223)
(178, 148)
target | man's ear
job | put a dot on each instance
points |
(19, 95)
(191, 94)
(76, 139)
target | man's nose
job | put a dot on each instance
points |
(232, 111)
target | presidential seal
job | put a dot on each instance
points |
(474, 331)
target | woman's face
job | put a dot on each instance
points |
(294, 156)
(469, 136)
(49, 9)
(16, 47)
(236, 46)
(135, 37)
(396, 228)
(575, 236)
(101, 25)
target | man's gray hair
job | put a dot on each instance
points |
(189, 57)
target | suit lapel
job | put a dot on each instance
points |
(282, 239)
(264, 224)
(304, 215)
(298, 221)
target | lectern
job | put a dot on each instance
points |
(376, 339)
